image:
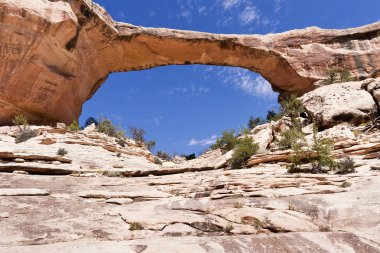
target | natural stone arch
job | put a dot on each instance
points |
(56, 54)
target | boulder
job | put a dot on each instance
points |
(262, 135)
(339, 102)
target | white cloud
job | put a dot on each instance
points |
(248, 15)
(228, 4)
(203, 142)
(278, 5)
(248, 82)
(229, 12)
(190, 89)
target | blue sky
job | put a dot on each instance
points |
(184, 108)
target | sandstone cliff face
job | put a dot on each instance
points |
(56, 54)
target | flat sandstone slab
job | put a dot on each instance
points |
(23, 192)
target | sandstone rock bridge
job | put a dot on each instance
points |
(54, 55)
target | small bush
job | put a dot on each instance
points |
(291, 107)
(291, 207)
(238, 205)
(157, 161)
(20, 120)
(135, 226)
(190, 157)
(331, 75)
(105, 126)
(345, 76)
(323, 148)
(163, 155)
(336, 75)
(324, 228)
(150, 145)
(138, 134)
(273, 116)
(227, 142)
(25, 135)
(121, 142)
(74, 126)
(319, 154)
(254, 122)
(346, 165)
(290, 138)
(244, 149)
(62, 152)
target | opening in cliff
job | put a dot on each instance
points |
(183, 108)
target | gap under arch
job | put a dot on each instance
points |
(182, 108)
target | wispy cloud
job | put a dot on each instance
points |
(228, 4)
(203, 142)
(190, 90)
(248, 15)
(228, 12)
(247, 81)
(278, 4)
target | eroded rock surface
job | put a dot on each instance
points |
(127, 203)
(56, 54)
(340, 102)
(250, 210)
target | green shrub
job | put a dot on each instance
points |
(25, 135)
(227, 142)
(20, 120)
(244, 131)
(319, 154)
(138, 134)
(323, 149)
(254, 122)
(106, 126)
(157, 161)
(346, 165)
(150, 145)
(331, 75)
(244, 149)
(273, 116)
(189, 157)
(62, 152)
(345, 76)
(121, 142)
(290, 138)
(163, 155)
(291, 107)
(74, 126)
(336, 75)
(135, 226)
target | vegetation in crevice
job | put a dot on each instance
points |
(25, 132)
(338, 75)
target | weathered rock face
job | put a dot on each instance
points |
(56, 54)
(340, 102)
(123, 202)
